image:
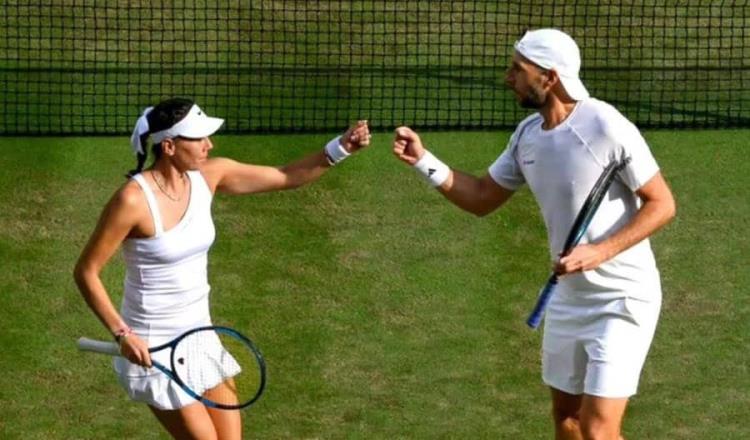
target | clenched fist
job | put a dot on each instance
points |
(407, 146)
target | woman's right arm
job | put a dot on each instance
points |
(119, 218)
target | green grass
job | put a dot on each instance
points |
(382, 310)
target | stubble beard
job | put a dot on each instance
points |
(534, 99)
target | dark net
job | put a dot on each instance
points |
(91, 66)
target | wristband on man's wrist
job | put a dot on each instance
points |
(433, 169)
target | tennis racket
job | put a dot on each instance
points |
(581, 223)
(215, 365)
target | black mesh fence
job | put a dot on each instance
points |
(91, 66)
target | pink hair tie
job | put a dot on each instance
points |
(123, 333)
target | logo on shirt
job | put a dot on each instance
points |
(528, 161)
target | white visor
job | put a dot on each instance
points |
(195, 125)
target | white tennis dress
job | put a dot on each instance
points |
(599, 324)
(166, 290)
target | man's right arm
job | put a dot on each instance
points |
(479, 196)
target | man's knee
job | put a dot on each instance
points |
(601, 418)
(599, 428)
(569, 425)
(561, 414)
(566, 420)
(566, 414)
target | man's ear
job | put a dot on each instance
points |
(551, 78)
(553, 83)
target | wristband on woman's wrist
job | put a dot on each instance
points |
(433, 169)
(335, 152)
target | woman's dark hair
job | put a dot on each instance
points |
(164, 115)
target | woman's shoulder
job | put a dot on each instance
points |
(126, 207)
(128, 196)
(214, 169)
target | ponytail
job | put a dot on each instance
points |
(138, 139)
(139, 166)
(154, 120)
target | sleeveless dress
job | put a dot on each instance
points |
(166, 291)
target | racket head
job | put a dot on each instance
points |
(218, 366)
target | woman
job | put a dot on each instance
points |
(162, 219)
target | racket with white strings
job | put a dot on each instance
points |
(581, 223)
(215, 365)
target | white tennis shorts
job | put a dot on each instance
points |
(597, 348)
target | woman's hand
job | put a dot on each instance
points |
(356, 137)
(135, 349)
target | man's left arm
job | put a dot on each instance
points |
(657, 209)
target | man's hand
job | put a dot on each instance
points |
(582, 258)
(407, 146)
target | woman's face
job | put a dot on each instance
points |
(190, 153)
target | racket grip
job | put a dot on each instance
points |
(102, 347)
(535, 318)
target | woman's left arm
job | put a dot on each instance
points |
(232, 177)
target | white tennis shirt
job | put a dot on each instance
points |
(561, 166)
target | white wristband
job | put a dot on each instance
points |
(435, 171)
(335, 152)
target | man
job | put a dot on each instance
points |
(602, 316)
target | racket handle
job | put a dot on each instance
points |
(102, 347)
(535, 318)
